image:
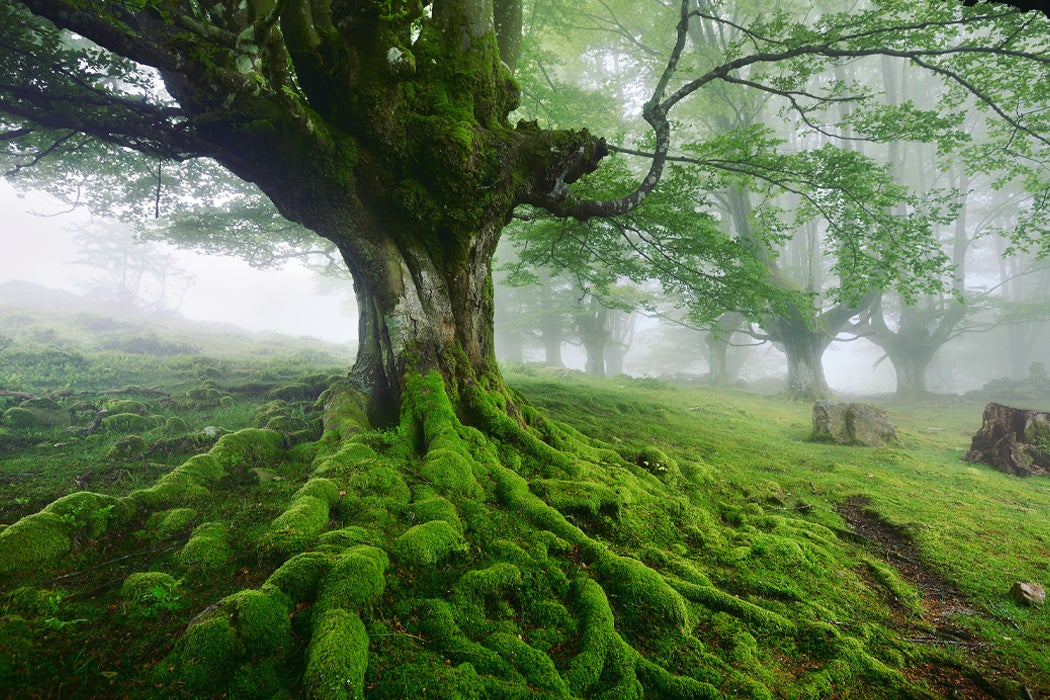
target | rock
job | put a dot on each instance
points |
(852, 424)
(1013, 440)
(1028, 594)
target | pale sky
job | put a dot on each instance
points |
(40, 249)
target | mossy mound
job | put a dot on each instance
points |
(127, 406)
(21, 418)
(126, 423)
(207, 549)
(45, 537)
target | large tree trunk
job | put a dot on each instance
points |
(592, 325)
(803, 342)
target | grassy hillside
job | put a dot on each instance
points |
(233, 530)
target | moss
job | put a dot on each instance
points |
(355, 581)
(337, 657)
(139, 587)
(717, 600)
(126, 423)
(435, 508)
(186, 482)
(128, 447)
(175, 425)
(601, 650)
(382, 481)
(46, 411)
(451, 473)
(345, 537)
(270, 410)
(427, 544)
(344, 410)
(32, 601)
(535, 666)
(205, 656)
(247, 625)
(290, 392)
(323, 489)
(286, 424)
(300, 576)
(298, 526)
(171, 522)
(251, 447)
(127, 406)
(656, 462)
(576, 496)
(21, 418)
(902, 593)
(207, 548)
(261, 619)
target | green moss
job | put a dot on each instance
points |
(427, 544)
(642, 592)
(21, 418)
(138, 587)
(355, 581)
(601, 652)
(175, 426)
(535, 666)
(128, 447)
(205, 656)
(435, 508)
(323, 489)
(345, 537)
(382, 481)
(261, 619)
(585, 496)
(127, 406)
(251, 447)
(126, 423)
(901, 592)
(207, 548)
(451, 473)
(298, 526)
(299, 577)
(344, 410)
(286, 424)
(249, 625)
(169, 523)
(337, 657)
(204, 468)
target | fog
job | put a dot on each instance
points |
(38, 246)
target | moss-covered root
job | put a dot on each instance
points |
(307, 516)
(249, 628)
(337, 657)
(244, 449)
(43, 538)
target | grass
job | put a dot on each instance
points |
(679, 542)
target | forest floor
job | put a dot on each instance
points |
(799, 568)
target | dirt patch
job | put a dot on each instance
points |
(941, 602)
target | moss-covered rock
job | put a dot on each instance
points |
(140, 587)
(48, 412)
(128, 406)
(21, 418)
(128, 447)
(35, 540)
(251, 447)
(451, 473)
(174, 426)
(126, 423)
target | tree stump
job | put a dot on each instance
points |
(1013, 440)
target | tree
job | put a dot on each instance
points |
(383, 126)
(133, 275)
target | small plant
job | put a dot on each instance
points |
(161, 599)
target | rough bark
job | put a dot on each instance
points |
(1013, 440)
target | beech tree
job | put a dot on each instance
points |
(481, 542)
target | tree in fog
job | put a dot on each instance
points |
(129, 274)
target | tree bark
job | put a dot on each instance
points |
(804, 343)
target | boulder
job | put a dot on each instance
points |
(1013, 440)
(852, 424)
(1028, 594)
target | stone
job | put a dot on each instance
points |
(861, 424)
(1028, 594)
